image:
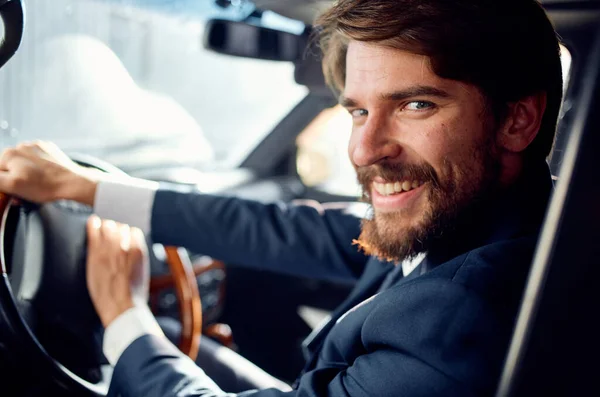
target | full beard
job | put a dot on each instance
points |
(448, 198)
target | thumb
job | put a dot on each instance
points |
(140, 277)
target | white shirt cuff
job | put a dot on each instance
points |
(125, 329)
(127, 200)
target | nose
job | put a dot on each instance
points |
(371, 143)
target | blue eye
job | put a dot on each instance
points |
(359, 113)
(419, 105)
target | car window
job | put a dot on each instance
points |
(130, 82)
(322, 159)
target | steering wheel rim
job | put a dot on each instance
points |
(188, 295)
(186, 289)
(19, 327)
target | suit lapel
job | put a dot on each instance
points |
(368, 285)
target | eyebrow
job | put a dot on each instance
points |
(400, 95)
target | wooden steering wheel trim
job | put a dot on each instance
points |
(190, 308)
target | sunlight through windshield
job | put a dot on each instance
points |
(130, 82)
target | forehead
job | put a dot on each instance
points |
(372, 68)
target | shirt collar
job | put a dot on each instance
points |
(408, 265)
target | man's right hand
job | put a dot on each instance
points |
(40, 172)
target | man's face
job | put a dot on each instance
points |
(422, 147)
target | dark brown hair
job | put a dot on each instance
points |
(507, 48)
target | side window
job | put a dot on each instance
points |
(323, 161)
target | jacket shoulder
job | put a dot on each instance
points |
(496, 272)
(457, 318)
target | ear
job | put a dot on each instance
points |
(522, 123)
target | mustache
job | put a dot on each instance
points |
(397, 172)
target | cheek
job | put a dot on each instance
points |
(459, 155)
(433, 143)
(448, 148)
(352, 143)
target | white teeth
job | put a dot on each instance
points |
(387, 189)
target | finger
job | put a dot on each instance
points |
(38, 144)
(15, 159)
(141, 246)
(14, 180)
(129, 249)
(138, 251)
(5, 178)
(45, 150)
(94, 238)
(34, 153)
(94, 226)
(32, 150)
(140, 262)
(109, 227)
(113, 242)
(121, 250)
(125, 238)
(111, 239)
(53, 151)
(45, 146)
(139, 240)
(6, 182)
(6, 157)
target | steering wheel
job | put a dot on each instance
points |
(44, 301)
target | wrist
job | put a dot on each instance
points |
(112, 311)
(79, 186)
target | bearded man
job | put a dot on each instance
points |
(454, 107)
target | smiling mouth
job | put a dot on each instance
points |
(394, 188)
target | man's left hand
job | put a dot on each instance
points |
(117, 268)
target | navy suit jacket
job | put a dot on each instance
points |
(443, 330)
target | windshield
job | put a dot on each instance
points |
(130, 82)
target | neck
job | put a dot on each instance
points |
(512, 168)
(514, 209)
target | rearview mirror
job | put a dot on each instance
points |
(250, 41)
(11, 25)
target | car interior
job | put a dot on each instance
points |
(228, 97)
